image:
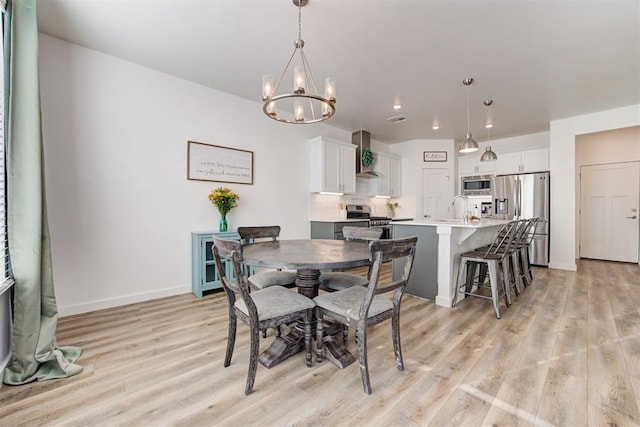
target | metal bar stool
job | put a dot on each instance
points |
(514, 252)
(527, 273)
(495, 258)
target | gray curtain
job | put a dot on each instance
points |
(35, 354)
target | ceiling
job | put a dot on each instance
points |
(539, 60)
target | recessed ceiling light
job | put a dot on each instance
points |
(489, 125)
(397, 106)
(435, 126)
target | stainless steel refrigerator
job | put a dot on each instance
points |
(525, 196)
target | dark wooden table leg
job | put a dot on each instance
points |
(287, 345)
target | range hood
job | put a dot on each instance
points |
(362, 140)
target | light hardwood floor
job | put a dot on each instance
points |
(566, 353)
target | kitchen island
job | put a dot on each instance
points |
(440, 243)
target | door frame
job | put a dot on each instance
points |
(579, 192)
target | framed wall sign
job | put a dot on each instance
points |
(435, 156)
(207, 162)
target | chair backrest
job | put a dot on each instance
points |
(361, 233)
(382, 251)
(231, 250)
(250, 234)
(504, 238)
(533, 228)
(520, 235)
(526, 229)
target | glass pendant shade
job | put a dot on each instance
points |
(488, 155)
(298, 109)
(469, 145)
(267, 86)
(299, 84)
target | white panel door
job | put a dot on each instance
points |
(437, 192)
(609, 217)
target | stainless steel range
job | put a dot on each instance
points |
(364, 212)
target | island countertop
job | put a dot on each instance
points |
(457, 222)
(440, 243)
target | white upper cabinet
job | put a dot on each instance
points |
(332, 166)
(396, 177)
(471, 165)
(508, 163)
(387, 183)
(523, 162)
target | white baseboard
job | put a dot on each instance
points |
(124, 300)
(561, 266)
(443, 301)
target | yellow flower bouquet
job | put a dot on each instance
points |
(225, 200)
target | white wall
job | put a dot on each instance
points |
(120, 207)
(562, 157)
(612, 146)
(412, 165)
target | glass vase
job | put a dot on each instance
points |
(222, 226)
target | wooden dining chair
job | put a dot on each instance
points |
(265, 308)
(333, 281)
(360, 307)
(338, 280)
(265, 279)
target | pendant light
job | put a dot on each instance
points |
(303, 103)
(488, 155)
(469, 145)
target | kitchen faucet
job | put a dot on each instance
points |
(465, 215)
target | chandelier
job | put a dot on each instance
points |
(469, 145)
(307, 104)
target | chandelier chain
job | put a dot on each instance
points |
(299, 22)
(467, 109)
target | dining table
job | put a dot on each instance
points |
(308, 257)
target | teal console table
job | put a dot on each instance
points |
(204, 273)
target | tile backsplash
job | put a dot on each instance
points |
(326, 207)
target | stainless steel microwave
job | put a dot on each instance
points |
(480, 185)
